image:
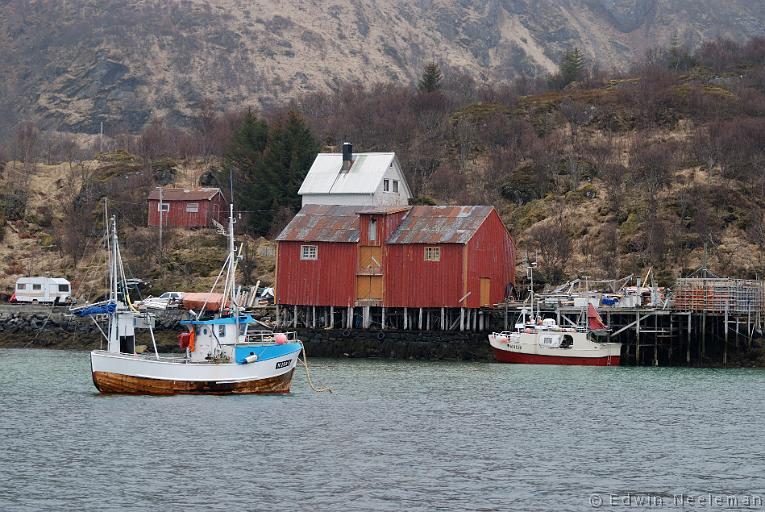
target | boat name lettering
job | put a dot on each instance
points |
(282, 364)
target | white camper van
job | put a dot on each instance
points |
(51, 290)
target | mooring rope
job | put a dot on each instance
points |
(308, 371)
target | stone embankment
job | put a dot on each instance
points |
(54, 327)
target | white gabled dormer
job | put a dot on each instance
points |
(355, 179)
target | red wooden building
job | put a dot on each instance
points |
(187, 208)
(394, 258)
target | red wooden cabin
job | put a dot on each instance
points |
(395, 257)
(187, 208)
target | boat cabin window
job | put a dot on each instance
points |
(221, 330)
(567, 342)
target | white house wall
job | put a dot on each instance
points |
(340, 199)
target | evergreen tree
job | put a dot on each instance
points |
(572, 66)
(431, 78)
(244, 153)
(279, 170)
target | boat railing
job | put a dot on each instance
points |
(269, 336)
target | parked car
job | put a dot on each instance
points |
(167, 300)
(43, 290)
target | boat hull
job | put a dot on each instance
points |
(114, 383)
(505, 356)
(129, 374)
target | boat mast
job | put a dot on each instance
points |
(232, 271)
(531, 287)
(114, 344)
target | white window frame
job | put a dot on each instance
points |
(432, 253)
(309, 252)
(386, 185)
(395, 186)
(163, 207)
(192, 207)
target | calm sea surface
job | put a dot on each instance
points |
(392, 436)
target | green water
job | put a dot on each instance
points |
(393, 436)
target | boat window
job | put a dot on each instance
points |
(221, 330)
(204, 331)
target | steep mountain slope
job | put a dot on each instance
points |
(72, 64)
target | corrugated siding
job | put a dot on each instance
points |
(178, 217)
(410, 281)
(490, 254)
(328, 281)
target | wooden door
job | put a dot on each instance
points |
(370, 258)
(485, 291)
(368, 287)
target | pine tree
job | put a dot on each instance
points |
(279, 171)
(431, 78)
(572, 66)
(244, 153)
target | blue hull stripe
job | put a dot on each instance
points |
(265, 352)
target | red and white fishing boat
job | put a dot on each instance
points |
(543, 341)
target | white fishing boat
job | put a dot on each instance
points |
(224, 354)
(537, 340)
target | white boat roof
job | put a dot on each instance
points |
(325, 176)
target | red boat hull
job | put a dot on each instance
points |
(504, 356)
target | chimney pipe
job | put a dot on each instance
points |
(347, 156)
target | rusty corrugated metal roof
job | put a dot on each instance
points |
(323, 223)
(440, 224)
(181, 194)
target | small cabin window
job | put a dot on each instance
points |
(432, 254)
(221, 330)
(63, 287)
(163, 207)
(372, 229)
(386, 185)
(309, 252)
(21, 286)
(192, 207)
(37, 287)
(395, 186)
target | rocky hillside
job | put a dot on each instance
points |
(70, 65)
